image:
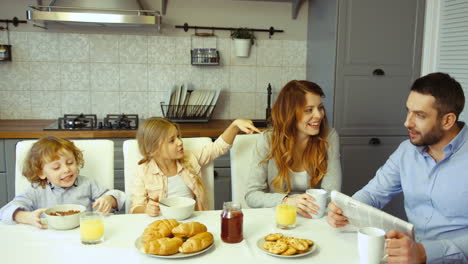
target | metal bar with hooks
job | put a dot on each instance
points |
(271, 30)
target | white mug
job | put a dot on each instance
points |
(320, 196)
(371, 245)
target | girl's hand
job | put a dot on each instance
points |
(152, 207)
(245, 126)
(104, 204)
(303, 204)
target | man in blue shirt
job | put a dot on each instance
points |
(431, 169)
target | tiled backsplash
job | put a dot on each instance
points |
(55, 73)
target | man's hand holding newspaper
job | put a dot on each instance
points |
(349, 214)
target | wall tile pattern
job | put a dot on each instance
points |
(61, 73)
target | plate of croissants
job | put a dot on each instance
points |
(168, 238)
(278, 245)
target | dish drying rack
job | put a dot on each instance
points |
(187, 113)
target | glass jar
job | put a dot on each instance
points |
(232, 220)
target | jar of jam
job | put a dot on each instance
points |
(232, 220)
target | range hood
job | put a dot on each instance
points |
(83, 12)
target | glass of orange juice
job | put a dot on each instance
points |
(91, 228)
(286, 216)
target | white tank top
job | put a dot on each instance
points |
(177, 188)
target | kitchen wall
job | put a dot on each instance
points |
(94, 71)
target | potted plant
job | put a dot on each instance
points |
(243, 39)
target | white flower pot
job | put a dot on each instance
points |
(242, 47)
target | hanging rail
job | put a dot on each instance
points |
(271, 30)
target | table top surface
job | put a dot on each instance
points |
(28, 244)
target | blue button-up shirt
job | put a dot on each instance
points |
(84, 192)
(436, 196)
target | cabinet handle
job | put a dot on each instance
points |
(378, 72)
(374, 141)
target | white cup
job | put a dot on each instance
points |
(371, 245)
(320, 196)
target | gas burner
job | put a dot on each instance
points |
(80, 121)
(90, 122)
(122, 121)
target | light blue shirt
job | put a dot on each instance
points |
(84, 192)
(436, 196)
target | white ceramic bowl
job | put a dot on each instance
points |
(179, 207)
(63, 222)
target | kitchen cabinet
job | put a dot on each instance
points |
(378, 57)
(379, 46)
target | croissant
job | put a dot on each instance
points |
(197, 243)
(163, 246)
(188, 229)
(159, 229)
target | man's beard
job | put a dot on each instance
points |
(433, 137)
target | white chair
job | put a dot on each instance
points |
(98, 158)
(241, 156)
(132, 156)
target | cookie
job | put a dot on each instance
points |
(268, 244)
(273, 237)
(309, 242)
(290, 251)
(298, 244)
(278, 248)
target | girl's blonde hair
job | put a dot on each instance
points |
(45, 150)
(286, 112)
(150, 136)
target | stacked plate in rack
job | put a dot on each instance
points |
(188, 103)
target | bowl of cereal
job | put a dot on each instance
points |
(64, 216)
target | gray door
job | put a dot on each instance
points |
(378, 57)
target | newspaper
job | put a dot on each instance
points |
(361, 215)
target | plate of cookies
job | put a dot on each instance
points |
(279, 245)
(168, 238)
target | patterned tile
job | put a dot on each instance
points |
(293, 73)
(44, 46)
(161, 50)
(182, 51)
(45, 76)
(224, 48)
(133, 49)
(134, 102)
(133, 77)
(14, 76)
(223, 106)
(76, 102)
(20, 46)
(270, 52)
(243, 79)
(154, 103)
(161, 77)
(242, 105)
(272, 75)
(104, 103)
(295, 53)
(104, 48)
(190, 74)
(74, 47)
(15, 104)
(45, 104)
(216, 77)
(74, 77)
(104, 77)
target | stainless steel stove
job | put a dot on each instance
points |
(91, 122)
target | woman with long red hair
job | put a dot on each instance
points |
(297, 153)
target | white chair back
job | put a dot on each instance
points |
(98, 155)
(132, 156)
(241, 156)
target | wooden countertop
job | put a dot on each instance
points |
(27, 128)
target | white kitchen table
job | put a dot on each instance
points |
(28, 244)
